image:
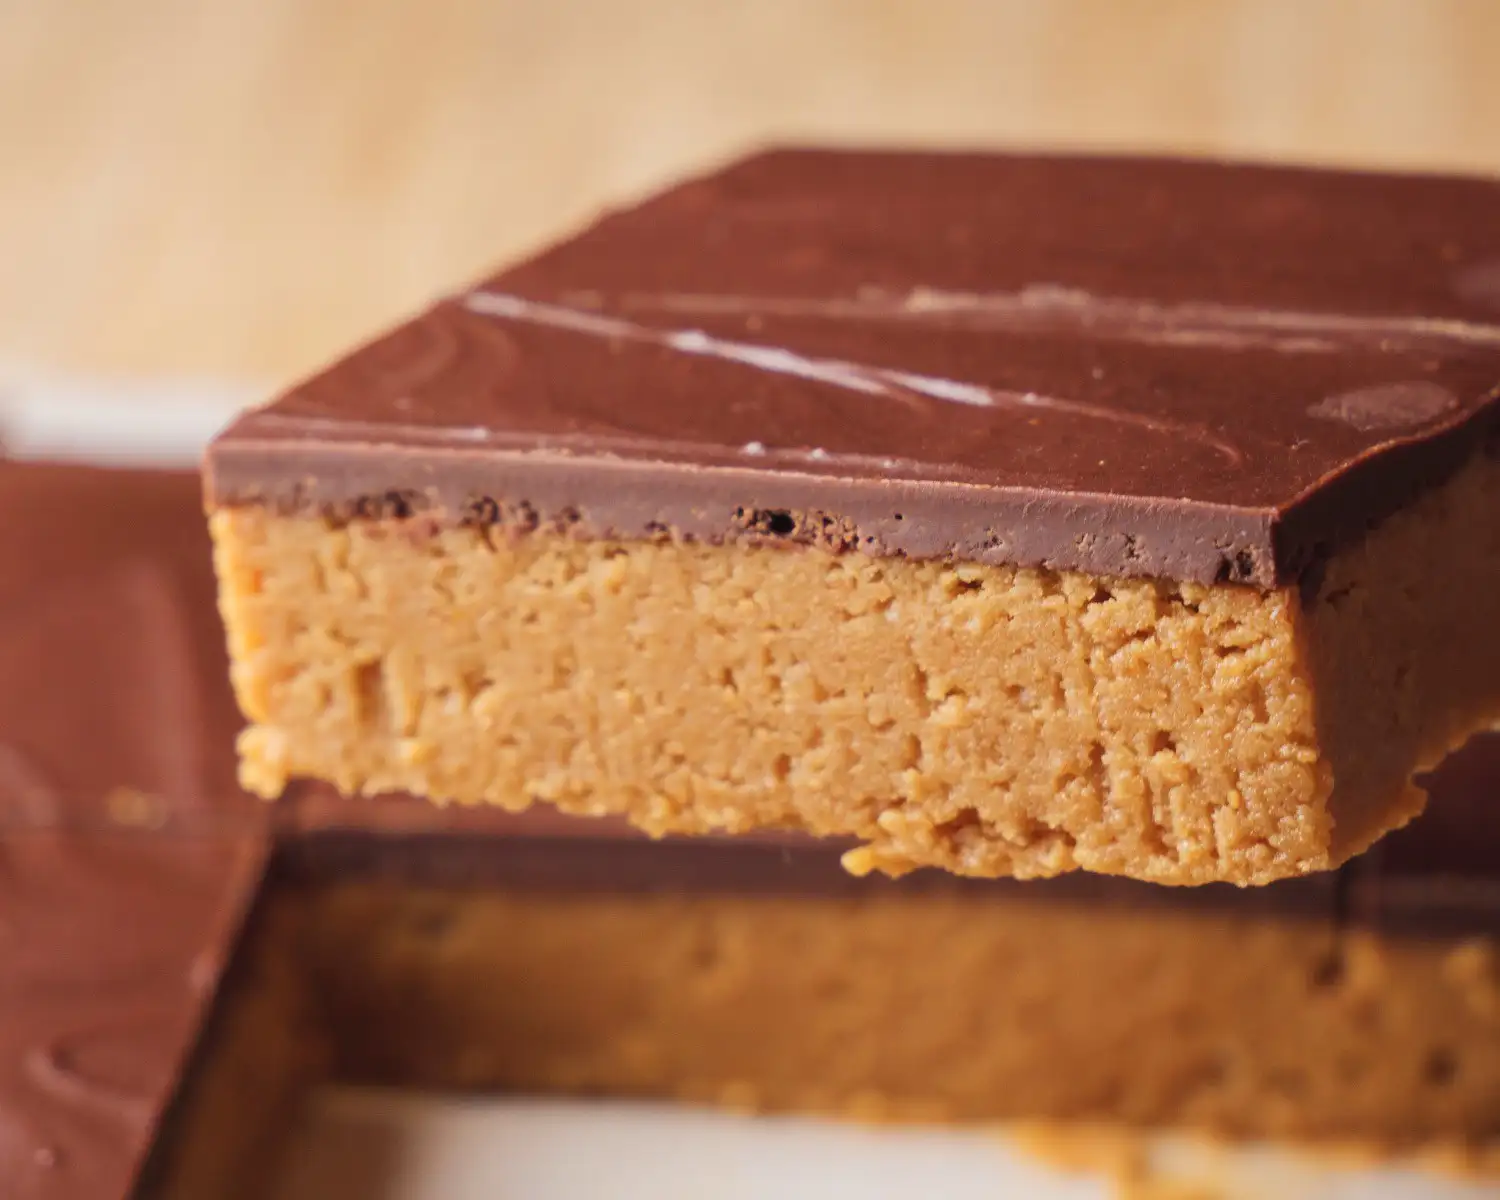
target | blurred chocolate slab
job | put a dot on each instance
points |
(112, 947)
(114, 706)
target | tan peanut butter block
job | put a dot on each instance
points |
(1013, 515)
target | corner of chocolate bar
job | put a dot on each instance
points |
(1056, 549)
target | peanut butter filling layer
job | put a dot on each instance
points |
(986, 719)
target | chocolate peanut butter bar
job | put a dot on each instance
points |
(1012, 515)
(154, 1040)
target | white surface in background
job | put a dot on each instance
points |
(393, 1148)
(374, 1146)
(386, 1146)
(47, 416)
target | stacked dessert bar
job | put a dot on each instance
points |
(838, 517)
(1009, 515)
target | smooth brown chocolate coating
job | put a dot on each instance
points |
(115, 709)
(128, 858)
(111, 950)
(1193, 370)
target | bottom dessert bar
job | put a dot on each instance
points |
(155, 1039)
(762, 978)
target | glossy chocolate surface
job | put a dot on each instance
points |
(1194, 370)
(111, 949)
(114, 704)
(128, 858)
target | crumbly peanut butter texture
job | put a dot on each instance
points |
(987, 720)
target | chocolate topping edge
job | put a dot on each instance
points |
(716, 503)
(641, 501)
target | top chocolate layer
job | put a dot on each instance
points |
(1127, 366)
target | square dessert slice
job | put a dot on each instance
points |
(1013, 515)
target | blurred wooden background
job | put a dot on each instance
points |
(234, 188)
